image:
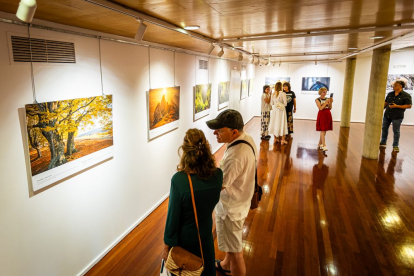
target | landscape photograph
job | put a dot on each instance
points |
(244, 88)
(164, 106)
(223, 93)
(62, 131)
(315, 83)
(202, 97)
(407, 78)
(251, 87)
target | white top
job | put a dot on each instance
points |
(281, 99)
(266, 106)
(239, 169)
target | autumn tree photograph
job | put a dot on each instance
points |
(62, 131)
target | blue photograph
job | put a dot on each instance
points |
(315, 83)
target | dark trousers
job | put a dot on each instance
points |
(396, 124)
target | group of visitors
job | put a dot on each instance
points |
(228, 190)
(277, 112)
(199, 187)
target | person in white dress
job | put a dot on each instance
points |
(278, 121)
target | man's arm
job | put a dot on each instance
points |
(405, 106)
(232, 168)
(385, 104)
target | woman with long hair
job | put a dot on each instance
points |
(278, 123)
(180, 229)
(290, 107)
(324, 120)
(264, 123)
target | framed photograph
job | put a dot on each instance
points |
(251, 86)
(163, 110)
(202, 100)
(271, 81)
(311, 85)
(65, 137)
(223, 94)
(407, 78)
(243, 89)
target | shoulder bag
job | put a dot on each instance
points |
(182, 262)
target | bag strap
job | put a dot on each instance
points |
(195, 214)
(250, 145)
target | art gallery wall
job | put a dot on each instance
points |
(65, 229)
(400, 62)
(305, 103)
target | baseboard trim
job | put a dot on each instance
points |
(120, 238)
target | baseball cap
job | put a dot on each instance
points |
(228, 118)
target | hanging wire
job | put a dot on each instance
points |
(31, 65)
(149, 68)
(174, 68)
(195, 72)
(208, 70)
(100, 66)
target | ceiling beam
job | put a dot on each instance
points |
(371, 48)
(316, 33)
(305, 54)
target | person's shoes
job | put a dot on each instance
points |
(324, 149)
(396, 149)
(383, 145)
(268, 136)
(320, 146)
(265, 137)
(222, 270)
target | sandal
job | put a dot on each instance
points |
(320, 146)
(324, 149)
(284, 142)
(222, 270)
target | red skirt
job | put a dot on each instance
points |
(324, 120)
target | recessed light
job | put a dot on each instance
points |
(352, 48)
(193, 27)
(377, 37)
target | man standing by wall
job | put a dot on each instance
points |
(239, 168)
(395, 105)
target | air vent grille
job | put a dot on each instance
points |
(203, 64)
(43, 50)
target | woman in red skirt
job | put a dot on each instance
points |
(324, 120)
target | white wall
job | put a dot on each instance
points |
(306, 107)
(62, 230)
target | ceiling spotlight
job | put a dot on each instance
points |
(221, 52)
(280, 63)
(267, 62)
(192, 27)
(252, 61)
(26, 10)
(240, 57)
(274, 63)
(141, 31)
(377, 37)
(211, 49)
(316, 63)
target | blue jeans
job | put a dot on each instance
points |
(396, 124)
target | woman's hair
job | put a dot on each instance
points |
(196, 155)
(322, 89)
(287, 84)
(278, 88)
(265, 87)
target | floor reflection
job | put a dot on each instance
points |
(320, 172)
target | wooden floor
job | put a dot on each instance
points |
(334, 214)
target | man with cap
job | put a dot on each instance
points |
(395, 105)
(239, 168)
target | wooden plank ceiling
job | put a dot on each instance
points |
(226, 19)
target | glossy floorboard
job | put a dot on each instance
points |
(333, 214)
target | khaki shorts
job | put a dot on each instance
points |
(229, 234)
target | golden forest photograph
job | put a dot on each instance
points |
(62, 131)
(164, 106)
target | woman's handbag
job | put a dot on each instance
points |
(182, 262)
